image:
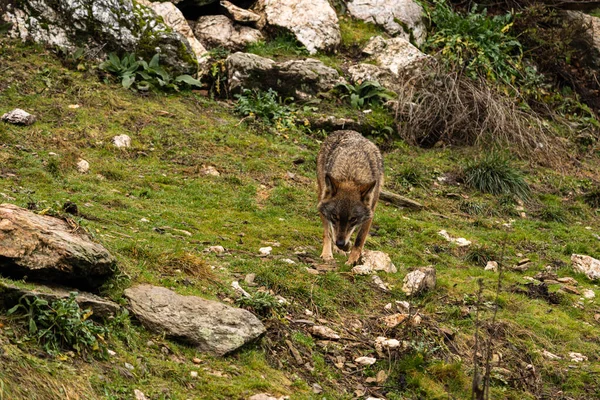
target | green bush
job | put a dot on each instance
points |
(261, 303)
(143, 74)
(265, 106)
(480, 44)
(364, 94)
(61, 325)
(493, 174)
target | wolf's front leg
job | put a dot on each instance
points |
(326, 254)
(361, 237)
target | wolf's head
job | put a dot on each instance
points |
(345, 205)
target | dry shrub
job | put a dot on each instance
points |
(435, 105)
(189, 264)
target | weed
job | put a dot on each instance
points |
(473, 207)
(592, 198)
(480, 255)
(412, 175)
(493, 174)
(145, 75)
(364, 94)
(265, 106)
(217, 76)
(553, 213)
(261, 303)
(282, 43)
(60, 325)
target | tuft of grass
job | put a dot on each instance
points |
(413, 175)
(281, 44)
(553, 213)
(480, 255)
(262, 303)
(592, 198)
(493, 174)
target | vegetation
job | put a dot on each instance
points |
(266, 106)
(364, 94)
(492, 173)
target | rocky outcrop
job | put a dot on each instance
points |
(397, 17)
(10, 294)
(174, 19)
(298, 78)
(313, 22)
(102, 26)
(49, 249)
(586, 265)
(220, 31)
(211, 326)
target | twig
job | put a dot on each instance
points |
(400, 201)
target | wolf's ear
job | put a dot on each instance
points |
(331, 185)
(366, 190)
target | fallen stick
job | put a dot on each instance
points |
(399, 201)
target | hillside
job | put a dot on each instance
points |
(158, 207)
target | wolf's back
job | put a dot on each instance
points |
(348, 156)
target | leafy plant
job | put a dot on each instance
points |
(493, 174)
(60, 325)
(365, 93)
(266, 106)
(261, 302)
(482, 45)
(145, 75)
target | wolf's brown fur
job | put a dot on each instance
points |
(350, 177)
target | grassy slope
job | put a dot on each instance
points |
(254, 203)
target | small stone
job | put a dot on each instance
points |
(388, 307)
(362, 270)
(387, 343)
(139, 395)
(209, 170)
(550, 356)
(316, 388)
(236, 286)
(460, 242)
(577, 357)
(380, 283)
(312, 271)
(144, 220)
(524, 261)
(194, 374)
(73, 106)
(19, 117)
(589, 294)
(586, 265)
(196, 360)
(403, 306)
(129, 366)
(391, 321)
(150, 343)
(288, 261)
(249, 279)
(83, 166)
(568, 280)
(571, 289)
(365, 360)
(216, 249)
(308, 312)
(111, 353)
(324, 332)
(491, 266)
(378, 261)
(265, 251)
(51, 153)
(419, 280)
(121, 141)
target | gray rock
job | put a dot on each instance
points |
(419, 280)
(209, 325)
(10, 295)
(378, 261)
(586, 265)
(241, 15)
(395, 54)
(393, 15)
(593, 29)
(47, 248)
(102, 26)
(298, 78)
(18, 117)
(220, 31)
(313, 22)
(368, 72)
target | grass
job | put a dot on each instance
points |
(493, 174)
(138, 202)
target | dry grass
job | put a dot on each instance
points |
(435, 106)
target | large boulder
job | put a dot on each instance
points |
(592, 24)
(211, 326)
(10, 295)
(102, 26)
(298, 78)
(313, 22)
(397, 17)
(49, 249)
(174, 19)
(220, 31)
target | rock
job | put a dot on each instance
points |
(174, 19)
(216, 249)
(550, 356)
(386, 343)
(297, 78)
(18, 117)
(577, 357)
(365, 360)
(194, 374)
(102, 26)
(391, 321)
(220, 31)
(209, 170)
(592, 23)
(47, 248)
(380, 283)
(393, 16)
(571, 289)
(196, 360)
(122, 141)
(111, 353)
(362, 270)
(568, 280)
(368, 72)
(10, 295)
(396, 55)
(419, 280)
(323, 332)
(460, 242)
(83, 166)
(378, 261)
(129, 366)
(241, 15)
(236, 286)
(139, 395)
(491, 266)
(586, 265)
(265, 251)
(209, 325)
(589, 294)
(266, 396)
(249, 279)
(313, 22)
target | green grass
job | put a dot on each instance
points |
(262, 197)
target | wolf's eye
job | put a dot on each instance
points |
(353, 220)
(334, 218)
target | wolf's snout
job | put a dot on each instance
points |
(342, 244)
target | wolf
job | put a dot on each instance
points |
(349, 177)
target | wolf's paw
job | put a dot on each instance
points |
(327, 257)
(353, 257)
(338, 251)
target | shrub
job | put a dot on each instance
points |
(145, 75)
(364, 94)
(61, 325)
(493, 174)
(411, 175)
(265, 106)
(261, 303)
(480, 255)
